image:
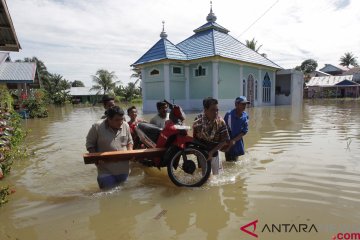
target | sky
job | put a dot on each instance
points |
(75, 38)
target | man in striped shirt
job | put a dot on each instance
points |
(210, 129)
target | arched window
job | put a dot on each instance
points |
(256, 90)
(244, 87)
(154, 72)
(200, 71)
(266, 89)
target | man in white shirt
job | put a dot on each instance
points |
(162, 116)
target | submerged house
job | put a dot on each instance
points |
(333, 86)
(213, 63)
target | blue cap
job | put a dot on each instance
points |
(241, 99)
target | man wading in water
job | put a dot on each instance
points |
(110, 134)
(237, 123)
(210, 129)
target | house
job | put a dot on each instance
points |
(19, 75)
(83, 95)
(355, 72)
(333, 70)
(213, 63)
(8, 38)
(333, 86)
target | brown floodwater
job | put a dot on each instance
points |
(302, 166)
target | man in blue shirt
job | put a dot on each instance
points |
(237, 123)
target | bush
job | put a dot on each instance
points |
(36, 105)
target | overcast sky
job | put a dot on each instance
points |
(77, 37)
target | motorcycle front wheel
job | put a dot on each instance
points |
(189, 167)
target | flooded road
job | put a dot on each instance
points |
(302, 166)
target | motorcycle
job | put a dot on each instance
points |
(185, 158)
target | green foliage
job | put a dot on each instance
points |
(348, 59)
(308, 66)
(4, 193)
(36, 105)
(104, 81)
(129, 92)
(6, 100)
(77, 83)
(252, 44)
(57, 89)
(12, 152)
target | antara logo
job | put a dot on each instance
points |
(278, 228)
(252, 233)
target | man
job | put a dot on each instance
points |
(237, 123)
(162, 116)
(110, 134)
(132, 113)
(210, 128)
(108, 102)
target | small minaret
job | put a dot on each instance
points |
(211, 16)
(163, 34)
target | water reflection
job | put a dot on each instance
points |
(301, 165)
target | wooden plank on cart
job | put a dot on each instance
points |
(114, 156)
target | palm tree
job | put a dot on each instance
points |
(104, 81)
(252, 45)
(348, 59)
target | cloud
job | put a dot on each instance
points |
(76, 38)
(340, 4)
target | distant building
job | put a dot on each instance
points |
(19, 75)
(333, 86)
(83, 95)
(355, 72)
(213, 63)
(333, 70)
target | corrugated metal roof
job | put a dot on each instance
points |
(82, 91)
(215, 43)
(209, 40)
(17, 72)
(163, 49)
(328, 81)
(211, 25)
(8, 38)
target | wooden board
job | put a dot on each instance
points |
(125, 155)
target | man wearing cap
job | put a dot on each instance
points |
(237, 124)
(108, 102)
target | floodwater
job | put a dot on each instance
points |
(302, 166)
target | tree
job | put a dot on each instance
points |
(129, 92)
(252, 45)
(104, 81)
(308, 66)
(77, 83)
(348, 59)
(57, 88)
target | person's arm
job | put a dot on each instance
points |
(130, 143)
(217, 148)
(243, 132)
(91, 139)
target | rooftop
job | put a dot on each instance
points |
(330, 81)
(17, 72)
